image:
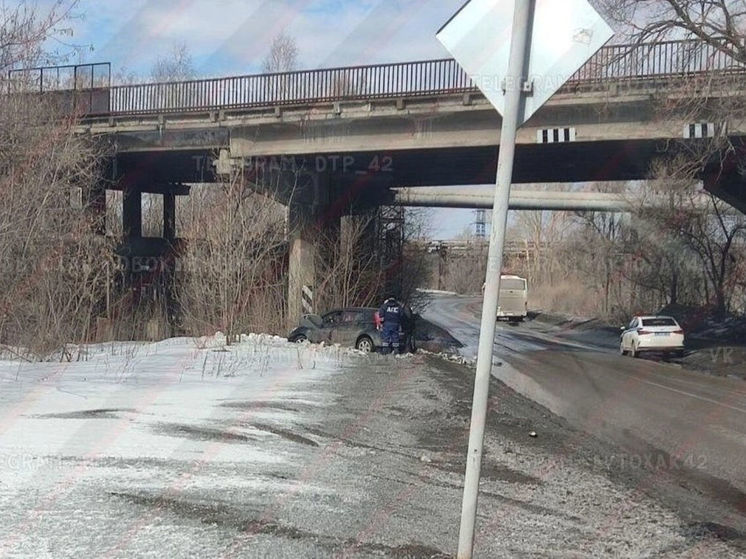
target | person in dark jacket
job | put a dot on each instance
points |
(390, 315)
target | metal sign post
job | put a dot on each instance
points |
(508, 48)
(514, 88)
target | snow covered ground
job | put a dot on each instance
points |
(149, 419)
(191, 448)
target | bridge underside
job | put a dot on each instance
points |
(360, 179)
(541, 163)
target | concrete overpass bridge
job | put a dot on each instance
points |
(414, 124)
(331, 140)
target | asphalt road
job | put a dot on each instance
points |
(689, 429)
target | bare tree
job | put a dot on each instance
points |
(25, 27)
(415, 270)
(464, 272)
(55, 267)
(168, 70)
(282, 56)
(697, 223)
(539, 232)
(693, 222)
(715, 43)
(721, 24)
(360, 264)
(125, 76)
(347, 267)
(176, 65)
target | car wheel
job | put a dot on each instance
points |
(364, 344)
(299, 339)
(678, 354)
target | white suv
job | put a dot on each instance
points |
(652, 333)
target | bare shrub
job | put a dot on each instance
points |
(54, 265)
(569, 296)
(140, 314)
(231, 274)
(690, 235)
(347, 266)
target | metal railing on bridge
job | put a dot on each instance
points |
(662, 60)
(74, 88)
(379, 81)
(615, 63)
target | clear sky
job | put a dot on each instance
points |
(232, 37)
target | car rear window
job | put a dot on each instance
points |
(353, 316)
(658, 322)
(512, 283)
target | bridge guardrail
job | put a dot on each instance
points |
(81, 89)
(614, 63)
(411, 79)
(664, 59)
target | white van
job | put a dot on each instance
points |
(512, 303)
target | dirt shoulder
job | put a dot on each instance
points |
(562, 492)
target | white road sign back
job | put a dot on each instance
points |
(565, 35)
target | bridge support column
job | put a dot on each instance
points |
(169, 216)
(312, 223)
(728, 184)
(301, 271)
(132, 214)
